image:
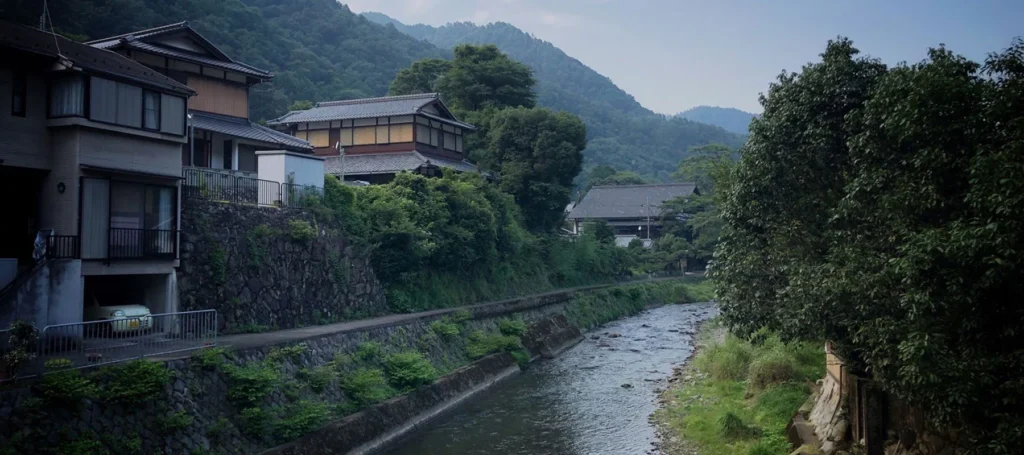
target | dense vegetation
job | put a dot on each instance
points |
(729, 118)
(738, 396)
(317, 49)
(882, 208)
(621, 133)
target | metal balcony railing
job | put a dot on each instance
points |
(63, 247)
(142, 243)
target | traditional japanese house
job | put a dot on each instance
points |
(372, 139)
(634, 211)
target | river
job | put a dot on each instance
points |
(594, 399)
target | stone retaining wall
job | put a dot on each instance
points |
(200, 387)
(267, 268)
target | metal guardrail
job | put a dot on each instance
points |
(94, 343)
(142, 243)
(219, 186)
(63, 247)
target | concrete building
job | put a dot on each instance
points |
(90, 170)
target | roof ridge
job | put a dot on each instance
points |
(376, 99)
(139, 32)
(646, 185)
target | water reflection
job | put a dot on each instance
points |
(575, 404)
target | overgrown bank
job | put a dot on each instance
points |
(246, 401)
(737, 396)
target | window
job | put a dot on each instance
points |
(346, 137)
(172, 114)
(365, 136)
(422, 134)
(67, 97)
(434, 137)
(19, 93)
(382, 135)
(401, 133)
(319, 138)
(115, 102)
(150, 110)
(449, 141)
(227, 153)
(458, 144)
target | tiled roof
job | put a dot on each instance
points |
(628, 201)
(137, 40)
(390, 163)
(366, 108)
(243, 128)
(85, 57)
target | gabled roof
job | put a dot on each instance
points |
(390, 163)
(243, 128)
(370, 107)
(147, 41)
(85, 57)
(629, 201)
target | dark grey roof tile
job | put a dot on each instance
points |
(628, 201)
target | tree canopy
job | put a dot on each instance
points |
(483, 76)
(537, 154)
(883, 209)
(421, 77)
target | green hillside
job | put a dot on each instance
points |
(318, 49)
(622, 133)
(731, 119)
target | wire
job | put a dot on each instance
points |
(56, 43)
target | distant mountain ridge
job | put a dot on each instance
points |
(731, 119)
(621, 132)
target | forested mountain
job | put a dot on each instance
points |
(731, 119)
(622, 133)
(317, 49)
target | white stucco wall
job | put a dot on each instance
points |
(277, 165)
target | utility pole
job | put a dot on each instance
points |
(648, 206)
(341, 151)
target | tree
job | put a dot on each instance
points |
(537, 153)
(421, 77)
(601, 230)
(883, 209)
(302, 105)
(698, 218)
(482, 76)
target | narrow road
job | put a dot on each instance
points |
(253, 340)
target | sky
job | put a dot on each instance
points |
(672, 55)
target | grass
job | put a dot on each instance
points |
(741, 395)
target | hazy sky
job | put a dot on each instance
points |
(675, 54)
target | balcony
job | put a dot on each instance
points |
(142, 243)
(63, 247)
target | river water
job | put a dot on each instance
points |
(575, 404)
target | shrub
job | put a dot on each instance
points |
(731, 427)
(408, 370)
(301, 231)
(253, 422)
(135, 382)
(367, 386)
(512, 327)
(279, 354)
(82, 446)
(20, 345)
(65, 386)
(210, 358)
(769, 367)
(728, 360)
(249, 384)
(175, 422)
(481, 344)
(218, 428)
(304, 417)
(445, 328)
(368, 350)
(460, 316)
(317, 378)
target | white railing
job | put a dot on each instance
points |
(95, 343)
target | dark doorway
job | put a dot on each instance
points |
(20, 211)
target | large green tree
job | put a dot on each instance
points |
(537, 154)
(482, 76)
(421, 77)
(883, 209)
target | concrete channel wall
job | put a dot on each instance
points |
(195, 413)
